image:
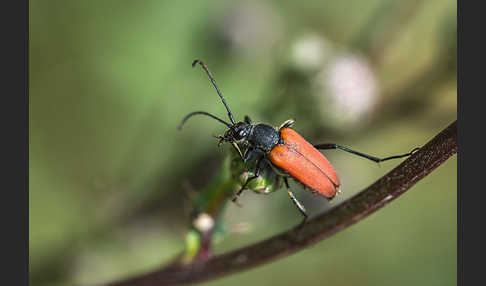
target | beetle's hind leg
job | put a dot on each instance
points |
(369, 157)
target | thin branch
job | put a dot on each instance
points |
(383, 191)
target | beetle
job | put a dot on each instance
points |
(287, 152)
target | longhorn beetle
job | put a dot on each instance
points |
(289, 154)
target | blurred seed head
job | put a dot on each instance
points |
(347, 90)
(204, 222)
(310, 51)
(251, 28)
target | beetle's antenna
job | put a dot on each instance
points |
(203, 113)
(217, 89)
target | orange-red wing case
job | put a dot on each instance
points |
(304, 163)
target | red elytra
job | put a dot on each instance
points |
(304, 163)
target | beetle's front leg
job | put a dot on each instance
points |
(257, 173)
(235, 145)
(248, 153)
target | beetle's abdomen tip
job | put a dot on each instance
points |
(337, 191)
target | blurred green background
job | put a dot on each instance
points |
(111, 80)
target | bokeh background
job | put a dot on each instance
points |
(111, 80)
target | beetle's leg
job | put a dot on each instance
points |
(247, 155)
(299, 205)
(220, 139)
(369, 157)
(247, 119)
(287, 123)
(278, 182)
(257, 173)
(238, 150)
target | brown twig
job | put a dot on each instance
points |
(383, 191)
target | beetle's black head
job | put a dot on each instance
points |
(237, 132)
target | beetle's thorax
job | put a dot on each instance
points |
(263, 137)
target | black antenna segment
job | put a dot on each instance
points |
(230, 115)
(202, 113)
